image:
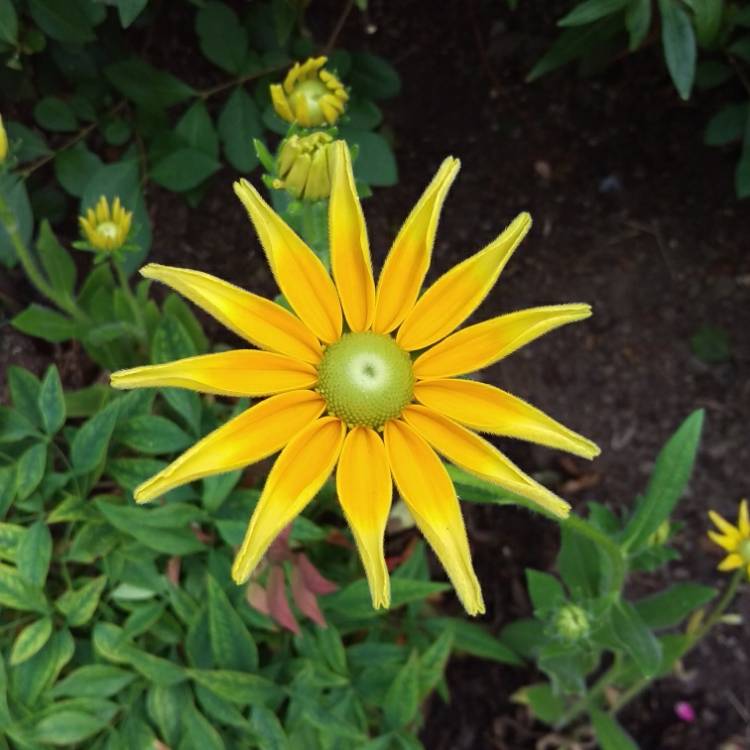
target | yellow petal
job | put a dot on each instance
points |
(474, 454)
(428, 492)
(732, 532)
(299, 472)
(254, 318)
(731, 562)
(240, 372)
(350, 250)
(256, 433)
(489, 409)
(299, 273)
(409, 258)
(363, 484)
(725, 542)
(484, 343)
(743, 520)
(281, 103)
(457, 293)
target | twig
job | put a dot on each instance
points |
(241, 80)
(338, 27)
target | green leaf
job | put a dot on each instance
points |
(165, 706)
(74, 167)
(610, 734)
(52, 401)
(678, 39)
(183, 169)
(56, 261)
(64, 20)
(34, 553)
(152, 434)
(30, 640)
(707, 18)
(711, 73)
(546, 591)
(727, 125)
(433, 661)
(14, 427)
(217, 489)
(635, 637)
(36, 675)
(742, 171)
(129, 10)
(711, 345)
(8, 23)
(79, 605)
(363, 114)
(374, 77)
(591, 10)
(145, 85)
(240, 122)
(89, 446)
(470, 638)
(28, 144)
(13, 190)
(196, 129)
(354, 600)
(741, 48)
(332, 648)
(93, 681)
(237, 687)
(671, 606)
(544, 703)
(672, 471)
(55, 115)
(30, 470)
(45, 323)
(67, 727)
(197, 730)
(222, 37)
(232, 645)
(375, 163)
(268, 730)
(402, 698)
(580, 565)
(637, 22)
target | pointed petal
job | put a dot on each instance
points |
(743, 520)
(731, 562)
(457, 293)
(482, 344)
(409, 258)
(427, 490)
(256, 433)
(732, 532)
(239, 372)
(254, 318)
(299, 472)
(489, 409)
(299, 273)
(474, 454)
(363, 483)
(725, 542)
(350, 250)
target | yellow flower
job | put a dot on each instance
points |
(304, 166)
(105, 228)
(734, 539)
(365, 377)
(3, 141)
(310, 95)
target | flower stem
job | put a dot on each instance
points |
(140, 329)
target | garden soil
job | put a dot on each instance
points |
(633, 214)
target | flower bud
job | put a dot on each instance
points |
(310, 95)
(106, 228)
(571, 623)
(304, 166)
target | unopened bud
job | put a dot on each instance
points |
(571, 623)
(304, 166)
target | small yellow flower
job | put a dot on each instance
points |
(310, 95)
(304, 166)
(734, 539)
(3, 141)
(105, 228)
(367, 377)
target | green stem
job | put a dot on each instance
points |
(587, 701)
(142, 334)
(34, 275)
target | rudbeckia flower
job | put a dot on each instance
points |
(363, 378)
(106, 228)
(735, 540)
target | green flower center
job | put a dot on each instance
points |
(743, 550)
(366, 379)
(108, 229)
(311, 91)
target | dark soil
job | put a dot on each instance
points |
(632, 214)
